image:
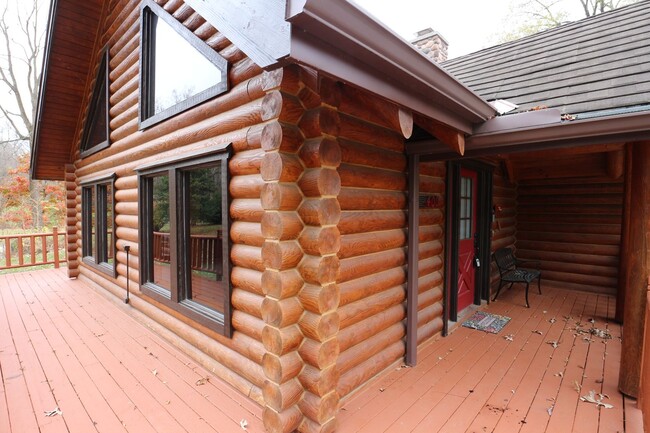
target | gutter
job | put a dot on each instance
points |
(359, 47)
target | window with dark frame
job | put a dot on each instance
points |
(184, 236)
(177, 69)
(97, 205)
(96, 135)
(466, 210)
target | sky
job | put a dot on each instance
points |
(468, 25)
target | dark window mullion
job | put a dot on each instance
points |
(174, 244)
(185, 266)
(100, 221)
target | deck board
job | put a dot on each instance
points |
(64, 343)
(475, 382)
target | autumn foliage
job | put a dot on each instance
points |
(28, 205)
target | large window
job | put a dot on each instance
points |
(178, 70)
(98, 246)
(96, 129)
(184, 236)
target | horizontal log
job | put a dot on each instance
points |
(281, 137)
(127, 234)
(281, 285)
(279, 369)
(430, 233)
(432, 279)
(583, 269)
(320, 410)
(321, 152)
(249, 186)
(320, 212)
(242, 71)
(126, 182)
(360, 374)
(282, 167)
(249, 280)
(359, 288)
(319, 381)
(126, 195)
(322, 120)
(249, 210)
(433, 185)
(128, 221)
(586, 259)
(429, 330)
(357, 176)
(126, 208)
(429, 249)
(285, 421)
(282, 397)
(561, 277)
(281, 255)
(429, 313)
(318, 354)
(363, 132)
(134, 246)
(370, 221)
(361, 154)
(280, 196)
(247, 256)
(249, 303)
(319, 327)
(247, 324)
(370, 347)
(605, 229)
(247, 233)
(281, 313)
(134, 260)
(433, 169)
(596, 198)
(361, 331)
(352, 245)
(316, 182)
(361, 199)
(319, 299)
(359, 266)
(281, 226)
(357, 311)
(281, 341)
(573, 238)
(320, 241)
(246, 162)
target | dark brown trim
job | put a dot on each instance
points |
(101, 81)
(412, 260)
(150, 12)
(98, 185)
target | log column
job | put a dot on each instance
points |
(71, 220)
(635, 268)
(281, 253)
(320, 241)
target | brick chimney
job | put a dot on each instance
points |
(432, 44)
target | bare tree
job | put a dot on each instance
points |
(21, 44)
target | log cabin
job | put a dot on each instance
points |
(304, 198)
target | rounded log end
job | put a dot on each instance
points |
(271, 105)
(281, 341)
(281, 397)
(281, 285)
(283, 422)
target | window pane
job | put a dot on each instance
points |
(109, 224)
(93, 223)
(206, 237)
(180, 70)
(161, 229)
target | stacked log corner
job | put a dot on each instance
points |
(281, 254)
(71, 221)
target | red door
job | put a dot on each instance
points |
(466, 232)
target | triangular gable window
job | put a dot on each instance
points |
(178, 70)
(96, 135)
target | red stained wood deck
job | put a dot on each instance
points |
(65, 345)
(477, 382)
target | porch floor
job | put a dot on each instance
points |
(65, 346)
(474, 381)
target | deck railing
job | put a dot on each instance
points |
(206, 251)
(32, 249)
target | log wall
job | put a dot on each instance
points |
(573, 227)
(504, 224)
(372, 226)
(247, 116)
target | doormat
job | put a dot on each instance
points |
(492, 323)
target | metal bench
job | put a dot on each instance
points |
(510, 272)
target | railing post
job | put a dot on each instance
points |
(55, 245)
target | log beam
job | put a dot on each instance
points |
(452, 138)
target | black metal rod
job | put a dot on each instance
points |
(127, 248)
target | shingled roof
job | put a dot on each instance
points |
(595, 67)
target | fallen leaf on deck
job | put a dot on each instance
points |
(559, 374)
(53, 412)
(555, 344)
(154, 372)
(202, 381)
(509, 337)
(243, 423)
(591, 398)
(552, 320)
(550, 410)
(599, 381)
(577, 386)
(382, 389)
(538, 332)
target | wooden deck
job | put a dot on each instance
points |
(473, 381)
(64, 345)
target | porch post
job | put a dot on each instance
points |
(635, 272)
(412, 259)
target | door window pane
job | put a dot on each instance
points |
(465, 227)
